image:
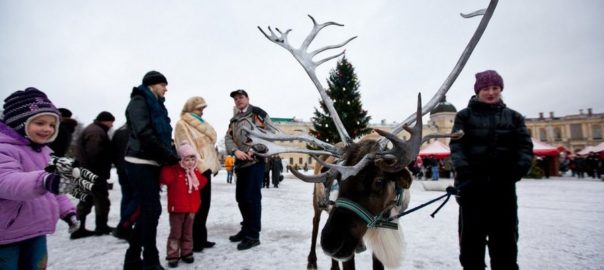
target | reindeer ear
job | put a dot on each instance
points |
(404, 178)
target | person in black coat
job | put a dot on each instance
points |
(276, 169)
(68, 125)
(494, 153)
(128, 206)
(149, 147)
(93, 152)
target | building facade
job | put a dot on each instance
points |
(573, 132)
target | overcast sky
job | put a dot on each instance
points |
(87, 55)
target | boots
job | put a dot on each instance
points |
(81, 232)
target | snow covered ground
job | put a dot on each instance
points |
(561, 227)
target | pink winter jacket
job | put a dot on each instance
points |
(27, 210)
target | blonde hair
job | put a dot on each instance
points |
(193, 103)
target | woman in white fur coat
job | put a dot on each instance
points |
(197, 131)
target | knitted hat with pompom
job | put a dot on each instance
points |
(23, 105)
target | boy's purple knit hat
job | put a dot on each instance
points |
(487, 78)
(24, 104)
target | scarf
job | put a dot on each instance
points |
(191, 180)
(159, 115)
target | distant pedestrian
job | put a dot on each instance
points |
(184, 182)
(64, 139)
(93, 152)
(266, 182)
(229, 162)
(494, 153)
(276, 170)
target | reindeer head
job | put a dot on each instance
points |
(371, 172)
(374, 189)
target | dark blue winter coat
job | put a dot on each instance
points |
(496, 149)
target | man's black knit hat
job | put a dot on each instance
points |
(153, 77)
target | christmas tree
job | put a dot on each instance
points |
(344, 92)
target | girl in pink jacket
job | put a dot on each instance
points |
(184, 180)
(30, 204)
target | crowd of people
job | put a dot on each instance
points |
(146, 152)
(591, 166)
(494, 153)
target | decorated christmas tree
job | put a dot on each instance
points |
(344, 92)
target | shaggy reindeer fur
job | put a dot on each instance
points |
(388, 245)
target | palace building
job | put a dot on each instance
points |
(573, 132)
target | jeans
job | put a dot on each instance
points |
(26, 254)
(145, 180)
(230, 176)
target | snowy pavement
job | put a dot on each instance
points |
(561, 227)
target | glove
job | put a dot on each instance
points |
(72, 220)
(61, 165)
(85, 174)
(55, 184)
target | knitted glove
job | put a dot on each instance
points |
(55, 184)
(72, 220)
(61, 165)
(77, 181)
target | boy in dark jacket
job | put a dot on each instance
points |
(494, 153)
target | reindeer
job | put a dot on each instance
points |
(373, 179)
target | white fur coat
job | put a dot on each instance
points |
(202, 136)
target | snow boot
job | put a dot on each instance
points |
(188, 258)
(172, 262)
(81, 232)
(102, 230)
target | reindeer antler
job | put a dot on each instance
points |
(305, 59)
(461, 62)
(393, 159)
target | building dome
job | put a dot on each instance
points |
(443, 106)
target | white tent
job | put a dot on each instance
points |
(544, 149)
(437, 149)
(596, 149)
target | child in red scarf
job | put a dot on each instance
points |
(184, 182)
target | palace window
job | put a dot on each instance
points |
(542, 134)
(557, 134)
(576, 131)
(596, 132)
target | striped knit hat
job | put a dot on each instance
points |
(21, 106)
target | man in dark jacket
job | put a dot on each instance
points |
(276, 169)
(149, 146)
(494, 153)
(93, 152)
(129, 209)
(68, 125)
